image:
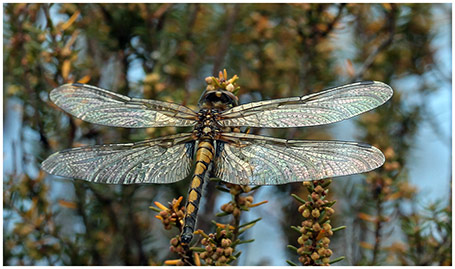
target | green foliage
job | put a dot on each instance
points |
(164, 52)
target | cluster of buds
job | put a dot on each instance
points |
(391, 164)
(218, 247)
(222, 82)
(172, 215)
(178, 248)
(382, 183)
(238, 203)
(315, 229)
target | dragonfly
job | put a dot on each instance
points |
(216, 147)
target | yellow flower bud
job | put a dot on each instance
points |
(222, 259)
(325, 240)
(316, 227)
(230, 87)
(321, 251)
(328, 253)
(174, 241)
(228, 251)
(326, 226)
(329, 211)
(224, 243)
(306, 213)
(300, 240)
(319, 189)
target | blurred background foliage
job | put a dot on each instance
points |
(164, 52)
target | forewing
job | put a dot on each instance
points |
(320, 108)
(259, 160)
(162, 160)
(103, 107)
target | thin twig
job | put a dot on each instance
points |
(377, 231)
(331, 25)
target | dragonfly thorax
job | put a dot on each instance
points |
(207, 126)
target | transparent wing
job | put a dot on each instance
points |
(162, 160)
(258, 160)
(323, 107)
(100, 106)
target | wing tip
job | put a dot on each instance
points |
(56, 92)
(388, 91)
(47, 167)
(379, 156)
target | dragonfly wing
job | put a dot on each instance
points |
(162, 160)
(258, 160)
(99, 106)
(320, 108)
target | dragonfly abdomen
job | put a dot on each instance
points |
(204, 156)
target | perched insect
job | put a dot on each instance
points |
(216, 145)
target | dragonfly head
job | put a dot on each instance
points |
(220, 99)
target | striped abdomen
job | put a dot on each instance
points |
(204, 156)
